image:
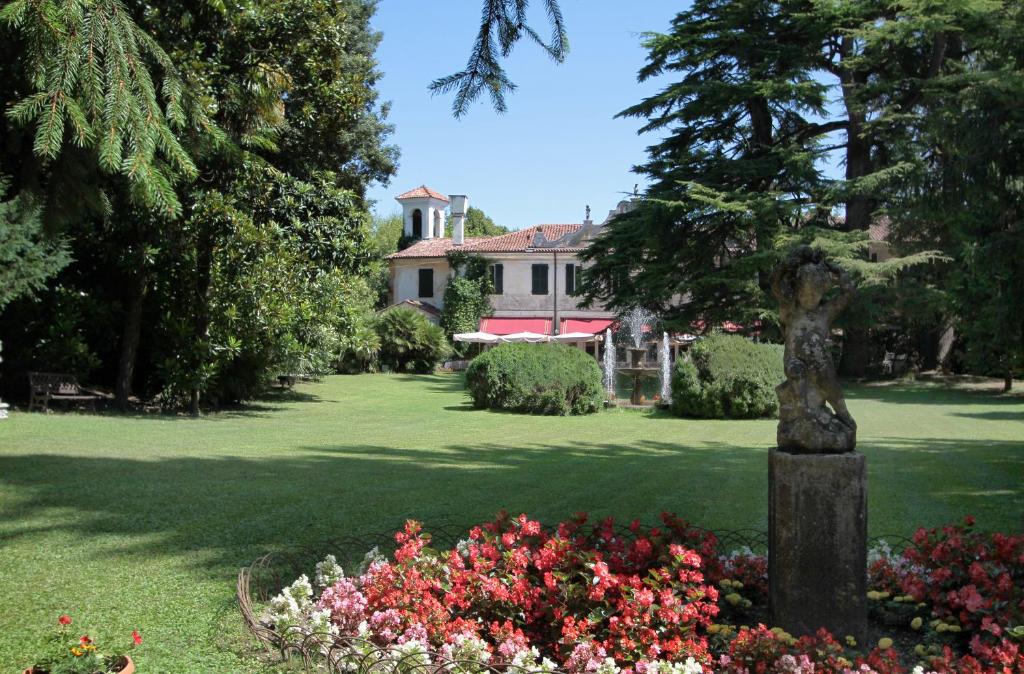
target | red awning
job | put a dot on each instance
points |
(589, 325)
(508, 326)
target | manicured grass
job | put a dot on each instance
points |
(142, 522)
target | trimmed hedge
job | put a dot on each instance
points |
(536, 379)
(728, 376)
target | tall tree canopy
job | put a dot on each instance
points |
(748, 131)
(268, 102)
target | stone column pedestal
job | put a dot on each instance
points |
(817, 542)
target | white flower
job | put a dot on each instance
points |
(607, 666)
(328, 572)
(880, 550)
(467, 654)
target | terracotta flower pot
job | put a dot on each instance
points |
(128, 668)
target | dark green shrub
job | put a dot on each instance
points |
(409, 342)
(536, 378)
(728, 376)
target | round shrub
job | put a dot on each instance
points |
(728, 376)
(409, 342)
(537, 379)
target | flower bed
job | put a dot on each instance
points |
(596, 599)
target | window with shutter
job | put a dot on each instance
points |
(540, 279)
(572, 277)
(498, 278)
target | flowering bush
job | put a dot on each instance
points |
(68, 654)
(596, 599)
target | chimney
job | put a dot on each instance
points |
(459, 204)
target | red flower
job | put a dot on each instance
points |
(65, 619)
(136, 637)
(85, 640)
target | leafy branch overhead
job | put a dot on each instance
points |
(102, 83)
(503, 24)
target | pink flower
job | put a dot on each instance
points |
(346, 604)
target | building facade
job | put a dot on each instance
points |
(534, 270)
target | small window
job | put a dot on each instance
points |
(540, 279)
(572, 278)
(498, 278)
(874, 257)
(426, 282)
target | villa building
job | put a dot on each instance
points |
(534, 271)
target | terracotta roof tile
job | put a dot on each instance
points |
(433, 247)
(538, 237)
(421, 192)
(879, 228)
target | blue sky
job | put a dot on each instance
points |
(557, 148)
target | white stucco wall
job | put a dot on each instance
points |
(405, 280)
(517, 298)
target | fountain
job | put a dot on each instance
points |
(634, 321)
(609, 364)
(666, 370)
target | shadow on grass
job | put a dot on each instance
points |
(994, 416)
(916, 393)
(225, 511)
(274, 400)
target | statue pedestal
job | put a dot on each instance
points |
(817, 543)
(3, 410)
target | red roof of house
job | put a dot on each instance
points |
(878, 230)
(508, 326)
(538, 237)
(421, 192)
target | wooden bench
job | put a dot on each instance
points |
(47, 386)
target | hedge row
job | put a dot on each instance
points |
(536, 378)
(728, 376)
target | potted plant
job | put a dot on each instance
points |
(68, 654)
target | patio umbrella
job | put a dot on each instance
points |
(532, 337)
(475, 337)
(574, 337)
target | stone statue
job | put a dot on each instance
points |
(806, 424)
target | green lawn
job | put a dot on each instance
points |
(142, 522)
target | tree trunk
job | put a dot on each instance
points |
(946, 341)
(201, 319)
(130, 335)
(1007, 382)
(858, 147)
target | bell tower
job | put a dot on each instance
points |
(423, 211)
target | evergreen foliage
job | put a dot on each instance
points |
(409, 342)
(738, 176)
(28, 257)
(727, 376)
(99, 81)
(536, 379)
(968, 192)
(503, 24)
